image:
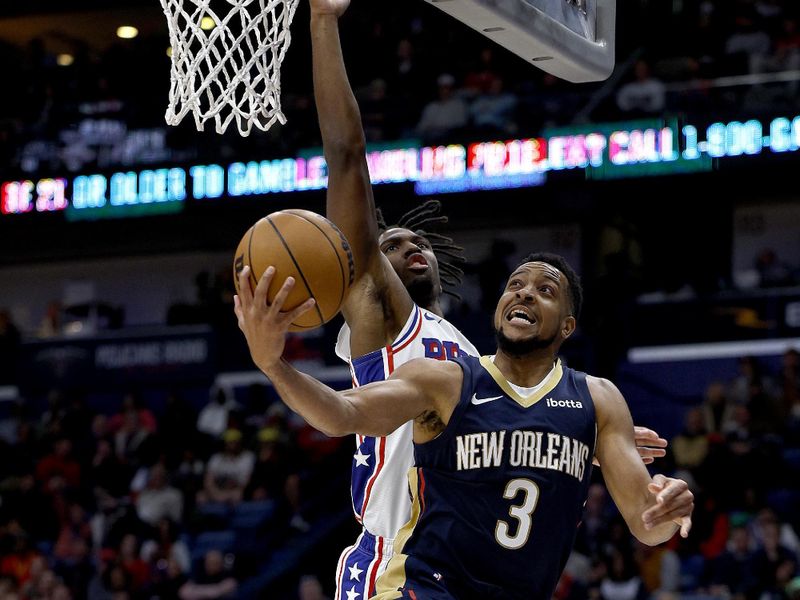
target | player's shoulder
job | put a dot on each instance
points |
(601, 386)
(607, 398)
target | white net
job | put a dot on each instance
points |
(226, 60)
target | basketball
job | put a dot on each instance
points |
(303, 245)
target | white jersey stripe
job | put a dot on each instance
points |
(342, 562)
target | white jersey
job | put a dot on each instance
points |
(379, 486)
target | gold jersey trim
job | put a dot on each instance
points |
(394, 578)
(550, 383)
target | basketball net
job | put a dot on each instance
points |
(227, 66)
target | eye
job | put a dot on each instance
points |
(390, 248)
(547, 289)
(514, 284)
(423, 245)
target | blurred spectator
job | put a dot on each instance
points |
(22, 561)
(213, 418)
(732, 573)
(310, 588)
(774, 564)
(787, 46)
(376, 112)
(228, 472)
(75, 537)
(159, 500)
(135, 567)
(645, 95)
(660, 568)
(717, 411)
(772, 271)
(214, 580)
(690, 447)
(9, 425)
(764, 520)
(790, 386)
(107, 472)
(481, 77)
(748, 42)
(8, 588)
(59, 470)
(492, 111)
(445, 116)
(751, 375)
(621, 581)
(132, 402)
(51, 323)
(593, 532)
(9, 348)
(168, 579)
(111, 583)
(276, 475)
(164, 545)
(131, 439)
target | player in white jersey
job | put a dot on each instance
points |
(393, 311)
(379, 485)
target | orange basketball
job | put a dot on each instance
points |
(303, 245)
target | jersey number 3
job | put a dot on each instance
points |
(522, 513)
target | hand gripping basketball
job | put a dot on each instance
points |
(265, 325)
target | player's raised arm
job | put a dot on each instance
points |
(377, 409)
(350, 204)
(654, 508)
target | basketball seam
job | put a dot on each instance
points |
(297, 268)
(339, 260)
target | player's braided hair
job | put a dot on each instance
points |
(448, 254)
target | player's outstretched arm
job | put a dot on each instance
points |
(376, 409)
(654, 508)
(350, 203)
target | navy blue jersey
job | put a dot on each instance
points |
(499, 494)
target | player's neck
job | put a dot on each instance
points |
(528, 370)
(435, 307)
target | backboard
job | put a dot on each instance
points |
(572, 39)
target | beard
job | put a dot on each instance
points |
(519, 348)
(422, 292)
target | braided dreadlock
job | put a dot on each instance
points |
(448, 254)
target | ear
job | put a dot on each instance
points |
(568, 326)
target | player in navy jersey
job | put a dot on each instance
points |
(393, 312)
(503, 445)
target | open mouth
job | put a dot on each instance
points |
(520, 316)
(417, 263)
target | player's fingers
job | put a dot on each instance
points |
(283, 293)
(686, 526)
(647, 452)
(647, 437)
(675, 514)
(237, 309)
(647, 460)
(301, 310)
(672, 489)
(676, 507)
(659, 481)
(245, 291)
(262, 288)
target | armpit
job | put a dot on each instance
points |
(430, 422)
